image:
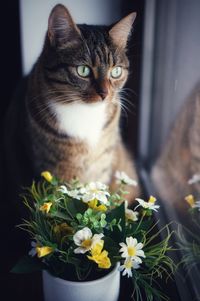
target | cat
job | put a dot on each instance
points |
(70, 111)
(65, 118)
(180, 159)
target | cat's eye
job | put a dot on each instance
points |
(116, 72)
(83, 71)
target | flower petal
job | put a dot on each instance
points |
(80, 250)
(140, 253)
(82, 235)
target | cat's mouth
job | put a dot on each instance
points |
(97, 98)
(94, 100)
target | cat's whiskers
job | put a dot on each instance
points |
(46, 104)
(52, 93)
(123, 104)
(41, 116)
(127, 103)
(123, 109)
(128, 90)
(42, 95)
(45, 113)
(42, 110)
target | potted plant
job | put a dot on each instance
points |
(83, 236)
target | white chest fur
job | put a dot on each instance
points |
(81, 120)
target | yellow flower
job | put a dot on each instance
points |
(43, 251)
(93, 204)
(152, 199)
(190, 200)
(101, 258)
(46, 207)
(47, 175)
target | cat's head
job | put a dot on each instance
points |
(82, 62)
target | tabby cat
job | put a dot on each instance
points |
(180, 159)
(72, 103)
(64, 118)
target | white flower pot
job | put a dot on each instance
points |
(103, 289)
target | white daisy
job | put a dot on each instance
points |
(96, 190)
(195, 179)
(76, 193)
(148, 205)
(130, 214)
(123, 178)
(85, 240)
(63, 189)
(132, 249)
(128, 265)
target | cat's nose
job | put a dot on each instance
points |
(103, 93)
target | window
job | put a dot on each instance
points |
(170, 73)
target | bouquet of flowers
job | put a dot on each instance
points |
(83, 230)
(188, 237)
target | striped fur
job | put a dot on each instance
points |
(67, 139)
(180, 158)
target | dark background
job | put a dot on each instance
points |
(11, 70)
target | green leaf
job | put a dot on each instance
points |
(54, 181)
(117, 214)
(27, 264)
(113, 249)
(76, 206)
(61, 215)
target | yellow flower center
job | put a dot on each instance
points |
(152, 199)
(128, 264)
(86, 243)
(131, 251)
(190, 200)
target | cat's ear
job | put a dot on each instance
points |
(61, 27)
(119, 33)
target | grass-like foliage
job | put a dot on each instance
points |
(188, 237)
(79, 232)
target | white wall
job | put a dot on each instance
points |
(34, 17)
